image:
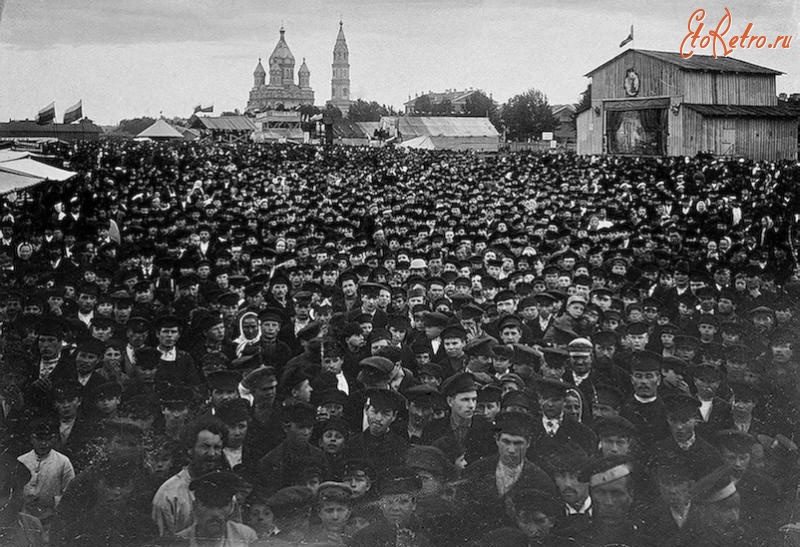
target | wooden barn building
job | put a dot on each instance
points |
(658, 103)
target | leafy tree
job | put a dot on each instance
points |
(585, 102)
(422, 104)
(363, 111)
(134, 126)
(235, 112)
(528, 115)
(332, 113)
(444, 108)
(480, 105)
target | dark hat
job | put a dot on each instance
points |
(272, 314)
(299, 413)
(510, 321)
(471, 311)
(454, 331)
(258, 375)
(385, 399)
(44, 426)
(90, 345)
(608, 395)
(234, 411)
(479, 346)
(215, 489)
(428, 458)
(462, 382)
(691, 342)
(734, 440)
(381, 364)
(549, 388)
(715, 487)
(167, 321)
(329, 396)
(681, 406)
(334, 491)
(66, 390)
(358, 465)
(176, 395)
(637, 329)
(422, 395)
(290, 500)
(613, 425)
(604, 470)
(605, 338)
(431, 369)
(400, 481)
(743, 391)
(517, 398)
(514, 423)
(707, 319)
(210, 321)
(490, 394)
(706, 372)
(674, 363)
(645, 361)
(335, 424)
(223, 380)
(107, 390)
(435, 319)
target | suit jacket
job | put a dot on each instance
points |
(478, 443)
(481, 506)
(543, 445)
(719, 418)
(701, 458)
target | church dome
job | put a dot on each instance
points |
(304, 68)
(259, 71)
(281, 51)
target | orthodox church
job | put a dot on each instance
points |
(281, 89)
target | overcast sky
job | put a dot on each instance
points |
(128, 58)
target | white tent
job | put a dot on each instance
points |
(423, 142)
(18, 171)
(160, 130)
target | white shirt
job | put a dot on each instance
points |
(233, 455)
(645, 401)
(585, 509)
(341, 383)
(680, 518)
(436, 344)
(83, 380)
(65, 428)
(173, 503)
(47, 367)
(506, 477)
(50, 476)
(131, 353)
(86, 318)
(705, 409)
(551, 426)
(169, 355)
(579, 379)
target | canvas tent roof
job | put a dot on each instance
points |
(18, 170)
(223, 123)
(446, 126)
(160, 130)
(423, 142)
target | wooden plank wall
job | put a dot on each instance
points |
(590, 133)
(656, 78)
(757, 138)
(727, 88)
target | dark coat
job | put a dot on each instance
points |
(478, 443)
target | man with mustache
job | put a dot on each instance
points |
(173, 502)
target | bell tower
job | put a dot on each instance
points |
(340, 79)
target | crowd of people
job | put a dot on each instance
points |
(275, 345)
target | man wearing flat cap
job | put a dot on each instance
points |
(611, 487)
(475, 434)
(550, 431)
(480, 499)
(213, 510)
(378, 443)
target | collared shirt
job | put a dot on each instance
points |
(744, 426)
(86, 318)
(233, 455)
(50, 477)
(83, 380)
(173, 503)
(341, 383)
(46, 367)
(680, 517)
(130, 351)
(584, 509)
(65, 428)
(705, 409)
(645, 400)
(579, 379)
(551, 426)
(460, 430)
(436, 343)
(236, 535)
(168, 355)
(688, 444)
(506, 477)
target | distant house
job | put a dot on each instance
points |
(565, 134)
(458, 100)
(223, 128)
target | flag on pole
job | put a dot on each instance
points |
(74, 112)
(628, 39)
(46, 114)
(200, 108)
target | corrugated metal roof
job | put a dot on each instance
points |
(780, 111)
(445, 126)
(703, 63)
(223, 123)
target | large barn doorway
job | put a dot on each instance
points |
(641, 132)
